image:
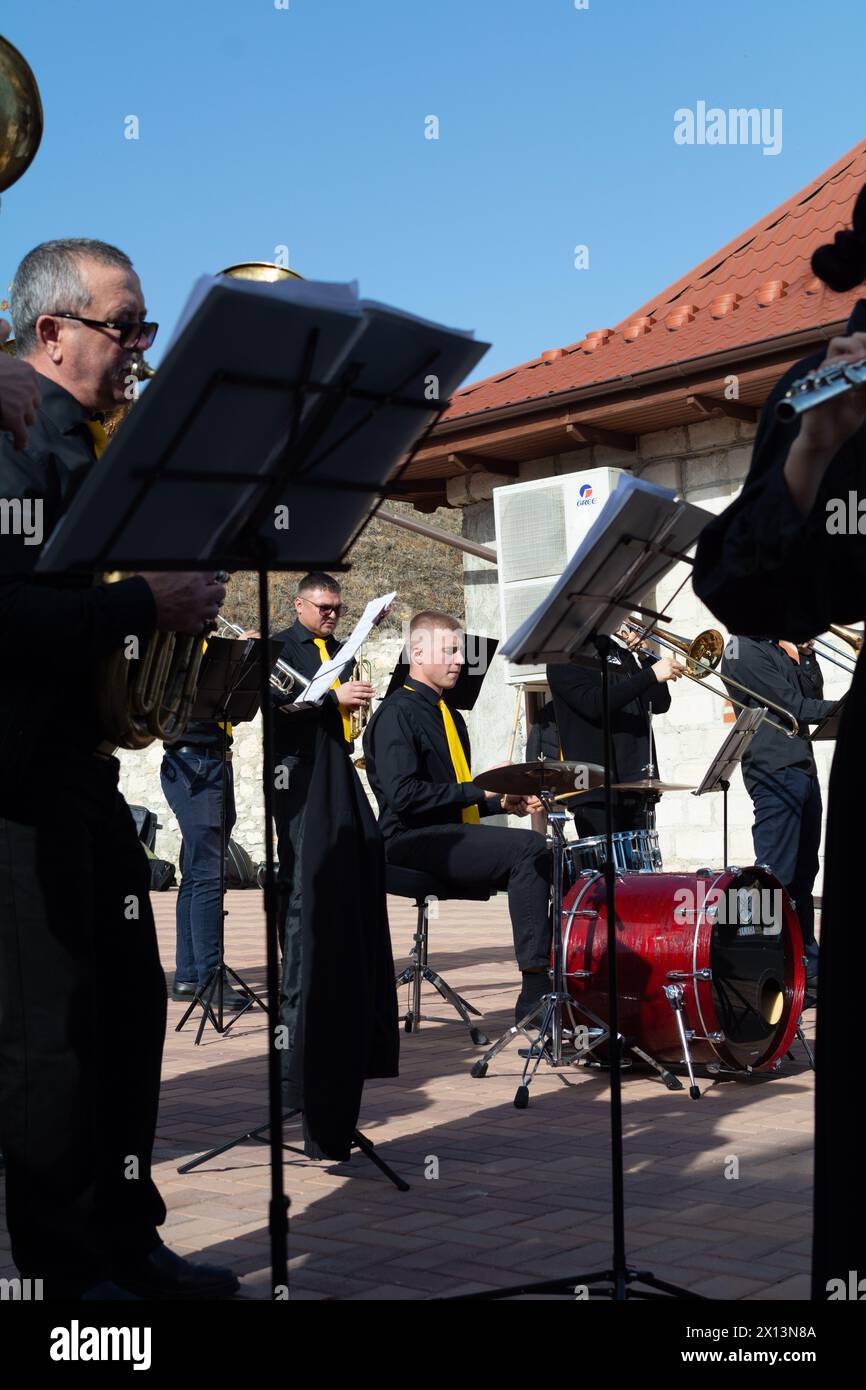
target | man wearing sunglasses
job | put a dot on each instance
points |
(306, 645)
(78, 1105)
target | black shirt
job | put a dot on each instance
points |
(811, 676)
(634, 692)
(763, 666)
(295, 733)
(54, 629)
(764, 568)
(409, 766)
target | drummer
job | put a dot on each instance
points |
(431, 815)
(639, 686)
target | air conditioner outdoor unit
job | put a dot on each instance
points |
(539, 526)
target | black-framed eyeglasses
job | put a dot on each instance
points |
(135, 333)
(325, 607)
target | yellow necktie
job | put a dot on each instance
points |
(470, 814)
(344, 713)
(99, 434)
(226, 728)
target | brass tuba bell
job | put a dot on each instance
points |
(20, 115)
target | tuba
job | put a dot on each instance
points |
(20, 115)
(151, 697)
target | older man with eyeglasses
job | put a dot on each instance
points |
(78, 1100)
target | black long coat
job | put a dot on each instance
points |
(347, 1031)
(766, 571)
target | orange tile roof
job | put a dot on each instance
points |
(757, 288)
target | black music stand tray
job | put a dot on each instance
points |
(641, 533)
(264, 402)
(228, 692)
(717, 777)
(829, 726)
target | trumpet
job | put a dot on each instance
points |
(359, 718)
(283, 678)
(824, 384)
(703, 655)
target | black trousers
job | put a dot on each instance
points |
(787, 835)
(79, 1068)
(474, 856)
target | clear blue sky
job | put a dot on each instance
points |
(261, 127)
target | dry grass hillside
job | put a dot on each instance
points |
(425, 573)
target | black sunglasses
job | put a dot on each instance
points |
(325, 607)
(133, 334)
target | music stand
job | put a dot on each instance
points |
(829, 726)
(213, 483)
(642, 532)
(227, 693)
(720, 771)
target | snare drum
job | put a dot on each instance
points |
(634, 852)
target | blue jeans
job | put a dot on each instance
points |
(786, 835)
(192, 786)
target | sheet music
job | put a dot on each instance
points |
(317, 294)
(329, 670)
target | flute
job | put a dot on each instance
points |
(824, 384)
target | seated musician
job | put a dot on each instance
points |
(417, 759)
(638, 689)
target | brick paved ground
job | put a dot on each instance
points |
(519, 1194)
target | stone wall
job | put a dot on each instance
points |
(705, 462)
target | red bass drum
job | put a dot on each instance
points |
(731, 938)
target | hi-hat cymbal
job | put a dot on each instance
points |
(548, 774)
(650, 785)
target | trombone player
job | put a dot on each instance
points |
(77, 1112)
(780, 773)
(639, 687)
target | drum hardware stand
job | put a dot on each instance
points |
(359, 1141)
(674, 995)
(236, 669)
(418, 970)
(545, 1042)
(806, 1048)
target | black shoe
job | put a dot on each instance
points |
(185, 991)
(163, 1274)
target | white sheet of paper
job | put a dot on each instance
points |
(327, 294)
(329, 670)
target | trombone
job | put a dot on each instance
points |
(703, 655)
(843, 660)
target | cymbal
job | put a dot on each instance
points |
(651, 784)
(528, 779)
